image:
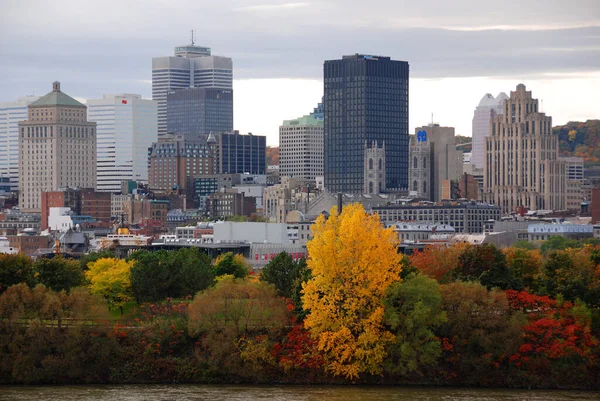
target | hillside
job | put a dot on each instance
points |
(581, 140)
(272, 155)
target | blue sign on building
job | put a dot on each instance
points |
(421, 136)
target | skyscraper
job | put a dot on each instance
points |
(191, 67)
(522, 166)
(301, 147)
(10, 115)
(366, 100)
(239, 154)
(199, 111)
(488, 107)
(126, 128)
(57, 148)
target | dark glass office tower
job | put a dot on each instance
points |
(366, 99)
(240, 154)
(199, 111)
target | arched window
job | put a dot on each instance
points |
(371, 187)
(370, 164)
(380, 164)
(425, 162)
(415, 162)
(424, 186)
(380, 187)
(415, 185)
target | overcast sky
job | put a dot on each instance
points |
(458, 50)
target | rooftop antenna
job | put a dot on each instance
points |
(192, 32)
(432, 118)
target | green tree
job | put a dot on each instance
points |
(282, 272)
(58, 273)
(228, 263)
(556, 243)
(487, 264)
(413, 311)
(94, 256)
(170, 274)
(524, 244)
(109, 277)
(15, 269)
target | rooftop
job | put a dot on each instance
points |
(56, 98)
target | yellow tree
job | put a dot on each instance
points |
(109, 277)
(353, 260)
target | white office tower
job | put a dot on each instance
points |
(488, 107)
(191, 67)
(10, 115)
(301, 147)
(126, 127)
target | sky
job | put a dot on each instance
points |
(457, 50)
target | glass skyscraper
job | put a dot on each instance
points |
(366, 100)
(239, 154)
(199, 111)
(190, 67)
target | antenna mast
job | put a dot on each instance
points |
(192, 32)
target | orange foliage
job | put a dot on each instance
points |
(437, 261)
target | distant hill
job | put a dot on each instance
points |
(272, 156)
(580, 140)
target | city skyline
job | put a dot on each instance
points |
(457, 53)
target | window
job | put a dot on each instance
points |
(371, 186)
(425, 162)
(370, 164)
(415, 185)
(415, 163)
(380, 164)
(424, 186)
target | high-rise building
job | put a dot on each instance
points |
(522, 166)
(126, 128)
(446, 162)
(366, 99)
(242, 153)
(301, 147)
(488, 107)
(575, 168)
(10, 115)
(57, 148)
(191, 67)
(199, 111)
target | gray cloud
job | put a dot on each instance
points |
(103, 47)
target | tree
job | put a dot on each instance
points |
(94, 256)
(481, 332)
(524, 264)
(437, 262)
(282, 272)
(170, 274)
(524, 244)
(15, 269)
(557, 242)
(413, 311)
(228, 263)
(109, 277)
(353, 260)
(58, 273)
(487, 264)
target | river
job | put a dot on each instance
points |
(280, 393)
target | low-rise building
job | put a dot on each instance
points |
(417, 232)
(28, 244)
(228, 202)
(13, 221)
(541, 232)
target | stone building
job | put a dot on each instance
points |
(419, 171)
(57, 148)
(522, 166)
(301, 147)
(374, 168)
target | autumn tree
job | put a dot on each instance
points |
(524, 264)
(109, 277)
(413, 311)
(230, 263)
(438, 262)
(486, 264)
(353, 261)
(15, 269)
(58, 273)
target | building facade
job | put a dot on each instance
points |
(366, 99)
(239, 154)
(174, 162)
(419, 171)
(488, 107)
(10, 115)
(374, 168)
(522, 166)
(191, 67)
(199, 111)
(228, 202)
(301, 147)
(57, 147)
(82, 202)
(575, 170)
(127, 125)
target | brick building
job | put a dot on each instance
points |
(83, 202)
